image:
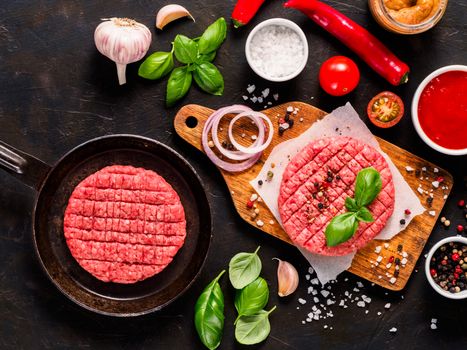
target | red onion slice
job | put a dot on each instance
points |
(250, 158)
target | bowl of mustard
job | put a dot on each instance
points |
(407, 16)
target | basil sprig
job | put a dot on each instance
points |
(209, 314)
(252, 324)
(196, 55)
(342, 227)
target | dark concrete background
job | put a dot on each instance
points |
(57, 91)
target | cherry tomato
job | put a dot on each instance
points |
(339, 75)
(385, 109)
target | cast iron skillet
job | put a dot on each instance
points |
(55, 185)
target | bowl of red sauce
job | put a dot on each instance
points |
(439, 110)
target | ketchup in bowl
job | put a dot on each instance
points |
(442, 110)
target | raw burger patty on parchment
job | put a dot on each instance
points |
(307, 201)
(124, 224)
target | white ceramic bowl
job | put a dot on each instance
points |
(277, 22)
(444, 293)
(416, 122)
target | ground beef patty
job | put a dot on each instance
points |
(124, 224)
(314, 187)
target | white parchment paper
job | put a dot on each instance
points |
(346, 122)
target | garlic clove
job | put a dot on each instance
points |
(170, 13)
(287, 278)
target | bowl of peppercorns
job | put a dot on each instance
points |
(446, 267)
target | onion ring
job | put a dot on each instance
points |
(253, 152)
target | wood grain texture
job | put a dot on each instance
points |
(412, 239)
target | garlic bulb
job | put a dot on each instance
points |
(287, 278)
(124, 41)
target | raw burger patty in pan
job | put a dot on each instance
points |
(124, 224)
(314, 187)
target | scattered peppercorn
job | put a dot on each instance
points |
(407, 212)
(391, 259)
(249, 204)
(460, 228)
(396, 273)
(461, 203)
(281, 130)
(270, 174)
(260, 182)
(320, 205)
(397, 261)
(282, 120)
(291, 123)
(287, 117)
(429, 200)
(440, 179)
(329, 179)
(338, 177)
(399, 248)
(402, 221)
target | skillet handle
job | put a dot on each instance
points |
(26, 168)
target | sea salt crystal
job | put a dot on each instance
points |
(393, 280)
(379, 258)
(310, 290)
(435, 184)
(379, 313)
(433, 326)
(409, 168)
(378, 249)
(265, 92)
(254, 99)
(387, 306)
(289, 109)
(324, 293)
(276, 51)
(310, 270)
(260, 99)
(432, 212)
(245, 97)
(301, 301)
(420, 190)
(359, 284)
(434, 320)
(386, 245)
(361, 304)
(393, 330)
(314, 281)
(316, 299)
(251, 88)
(404, 261)
(435, 170)
(275, 97)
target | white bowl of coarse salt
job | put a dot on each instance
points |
(277, 49)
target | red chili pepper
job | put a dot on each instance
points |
(244, 11)
(362, 42)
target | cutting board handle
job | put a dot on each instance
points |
(189, 123)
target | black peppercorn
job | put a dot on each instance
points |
(329, 179)
(287, 117)
(260, 182)
(281, 130)
(291, 123)
(402, 221)
(338, 177)
(320, 206)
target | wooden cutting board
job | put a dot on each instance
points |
(189, 123)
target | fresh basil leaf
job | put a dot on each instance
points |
(341, 228)
(351, 205)
(209, 79)
(213, 36)
(209, 314)
(206, 57)
(156, 66)
(178, 85)
(244, 268)
(363, 214)
(253, 329)
(186, 50)
(252, 298)
(367, 186)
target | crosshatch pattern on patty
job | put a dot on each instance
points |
(124, 224)
(314, 187)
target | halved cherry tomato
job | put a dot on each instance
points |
(385, 109)
(339, 75)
